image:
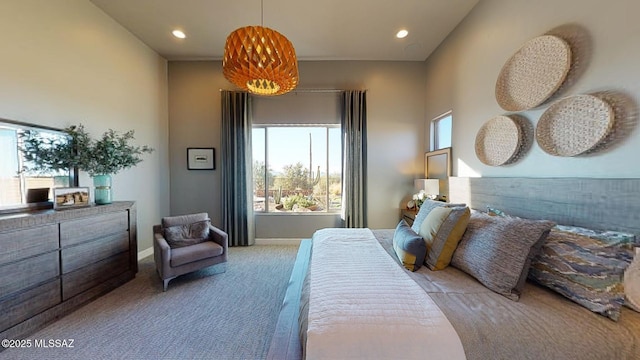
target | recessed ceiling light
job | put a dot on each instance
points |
(402, 34)
(179, 34)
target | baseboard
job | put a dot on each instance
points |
(144, 253)
(278, 241)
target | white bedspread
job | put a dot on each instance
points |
(362, 305)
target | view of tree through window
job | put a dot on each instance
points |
(297, 168)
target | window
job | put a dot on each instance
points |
(441, 131)
(297, 168)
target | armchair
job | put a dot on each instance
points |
(172, 262)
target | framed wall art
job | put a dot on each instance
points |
(71, 197)
(201, 158)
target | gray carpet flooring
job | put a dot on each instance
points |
(208, 314)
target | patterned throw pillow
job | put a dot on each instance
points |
(632, 284)
(497, 251)
(409, 246)
(442, 230)
(188, 234)
(426, 208)
(586, 266)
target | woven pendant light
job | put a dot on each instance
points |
(260, 60)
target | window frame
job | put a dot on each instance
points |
(267, 211)
(433, 140)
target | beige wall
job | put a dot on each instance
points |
(194, 121)
(395, 105)
(65, 62)
(461, 75)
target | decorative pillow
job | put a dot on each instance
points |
(409, 246)
(632, 283)
(426, 208)
(497, 251)
(188, 234)
(442, 229)
(586, 266)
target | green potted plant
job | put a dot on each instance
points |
(105, 157)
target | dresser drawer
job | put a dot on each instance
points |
(89, 276)
(75, 257)
(29, 272)
(77, 231)
(20, 244)
(21, 306)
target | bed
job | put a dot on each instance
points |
(542, 324)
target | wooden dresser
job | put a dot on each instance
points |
(51, 262)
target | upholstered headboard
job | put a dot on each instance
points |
(605, 204)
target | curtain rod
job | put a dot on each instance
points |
(309, 90)
(317, 90)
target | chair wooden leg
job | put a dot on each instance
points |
(165, 283)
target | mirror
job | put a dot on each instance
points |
(22, 190)
(437, 165)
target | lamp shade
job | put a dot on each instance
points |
(430, 186)
(260, 60)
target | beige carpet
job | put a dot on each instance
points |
(209, 314)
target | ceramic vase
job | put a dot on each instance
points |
(102, 191)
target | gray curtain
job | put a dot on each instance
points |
(237, 195)
(354, 158)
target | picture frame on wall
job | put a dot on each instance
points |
(71, 197)
(201, 158)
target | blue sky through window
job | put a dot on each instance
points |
(289, 145)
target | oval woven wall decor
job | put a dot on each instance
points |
(574, 125)
(498, 141)
(533, 73)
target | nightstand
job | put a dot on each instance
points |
(409, 215)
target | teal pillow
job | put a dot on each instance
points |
(409, 246)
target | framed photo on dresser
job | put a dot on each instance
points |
(71, 197)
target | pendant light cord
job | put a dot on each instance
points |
(262, 13)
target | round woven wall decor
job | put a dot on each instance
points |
(533, 73)
(498, 141)
(574, 125)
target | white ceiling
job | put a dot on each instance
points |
(319, 30)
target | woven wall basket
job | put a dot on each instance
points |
(533, 73)
(574, 125)
(498, 141)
